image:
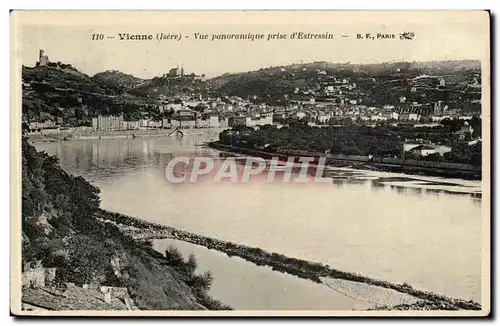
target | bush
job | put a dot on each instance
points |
(174, 257)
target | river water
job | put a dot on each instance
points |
(420, 230)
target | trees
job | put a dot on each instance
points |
(350, 139)
(174, 256)
(70, 201)
(191, 264)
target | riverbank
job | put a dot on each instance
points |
(143, 230)
(416, 167)
(76, 134)
(66, 247)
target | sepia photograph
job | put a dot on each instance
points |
(250, 163)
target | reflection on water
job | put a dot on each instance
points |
(420, 230)
(250, 287)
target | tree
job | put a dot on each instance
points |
(191, 264)
(173, 256)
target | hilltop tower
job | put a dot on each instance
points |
(43, 60)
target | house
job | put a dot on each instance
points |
(301, 115)
(36, 276)
(47, 124)
(392, 116)
(378, 117)
(213, 121)
(107, 123)
(426, 149)
(413, 116)
(262, 121)
(185, 124)
(132, 125)
(73, 297)
(323, 117)
(474, 142)
(237, 121)
(465, 131)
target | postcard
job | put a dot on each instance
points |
(250, 163)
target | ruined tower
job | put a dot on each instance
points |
(43, 60)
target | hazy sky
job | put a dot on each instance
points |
(67, 37)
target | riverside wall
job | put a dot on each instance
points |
(77, 134)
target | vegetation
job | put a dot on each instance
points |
(353, 139)
(61, 227)
(378, 84)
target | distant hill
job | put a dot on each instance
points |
(348, 69)
(116, 77)
(53, 92)
(169, 87)
(276, 83)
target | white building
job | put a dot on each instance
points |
(108, 123)
(413, 116)
(426, 149)
(378, 117)
(260, 121)
(213, 121)
(131, 125)
(301, 115)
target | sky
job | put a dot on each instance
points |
(67, 37)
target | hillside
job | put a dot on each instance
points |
(69, 96)
(52, 94)
(348, 69)
(61, 228)
(170, 87)
(115, 77)
(380, 83)
(60, 92)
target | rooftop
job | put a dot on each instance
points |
(73, 298)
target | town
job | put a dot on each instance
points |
(437, 106)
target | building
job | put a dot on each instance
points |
(202, 123)
(413, 117)
(323, 117)
(36, 276)
(176, 72)
(213, 121)
(301, 115)
(438, 110)
(69, 296)
(148, 124)
(405, 116)
(131, 125)
(392, 116)
(185, 114)
(183, 124)
(237, 121)
(43, 60)
(262, 121)
(426, 149)
(378, 117)
(224, 123)
(108, 123)
(38, 126)
(465, 132)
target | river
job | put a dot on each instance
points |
(420, 230)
